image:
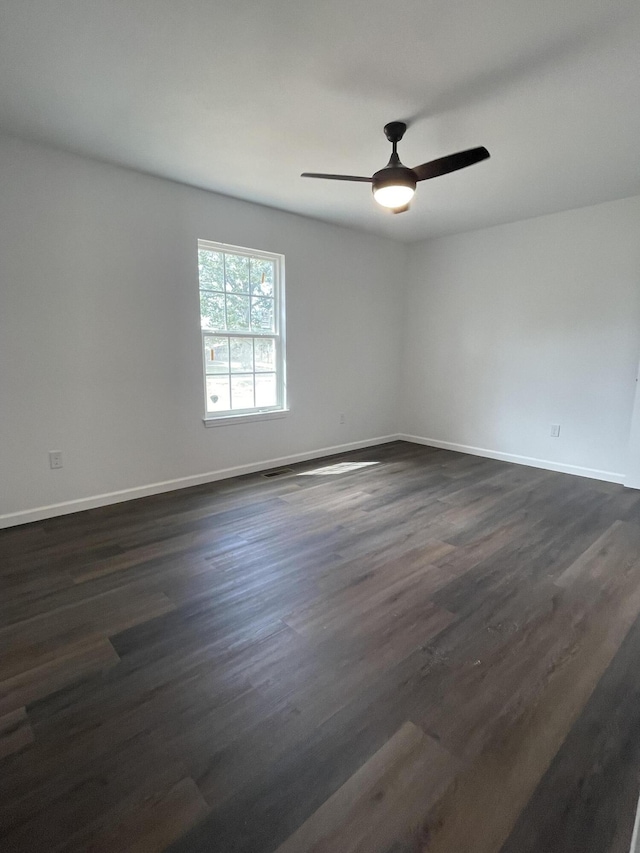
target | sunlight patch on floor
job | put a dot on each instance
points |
(338, 468)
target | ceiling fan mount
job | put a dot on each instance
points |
(394, 131)
(394, 185)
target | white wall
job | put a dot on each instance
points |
(502, 332)
(99, 331)
(632, 472)
(513, 328)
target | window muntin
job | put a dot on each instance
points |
(242, 329)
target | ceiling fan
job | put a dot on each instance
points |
(394, 186)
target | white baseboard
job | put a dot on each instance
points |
(533, 462)
(66, 507)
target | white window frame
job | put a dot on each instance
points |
(256, 413)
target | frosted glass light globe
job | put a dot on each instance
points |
(394, 196)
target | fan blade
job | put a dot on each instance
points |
(400, 209)
(335, 177)
(452, 163)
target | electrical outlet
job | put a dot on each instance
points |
(55, 459)
(555, 430)
(343, 418)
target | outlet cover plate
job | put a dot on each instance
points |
(55, 459)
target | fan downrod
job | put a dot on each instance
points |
(395, 130)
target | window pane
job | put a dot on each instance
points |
(241, 355)
(262, 314)
(211, 310)
(237, 273)
(242, 392)
(218, 394)
(266, 391)
(216, 354)
(262, 277)
(265, 354)
(210, 269)
(237, 312)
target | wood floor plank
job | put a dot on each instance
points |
(70, 806)
(154, 824)
(35, 642)
(15, 732)
(382, 563)
(176, 545)
(108, 613)
(384, 803)
(377, 597)
(614, 551)
(69, 665)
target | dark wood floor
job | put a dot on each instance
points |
(401, 649)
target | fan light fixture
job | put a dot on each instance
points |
(394, 192)
(394, 186)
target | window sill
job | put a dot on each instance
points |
(245, 419)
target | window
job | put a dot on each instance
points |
(242, 327)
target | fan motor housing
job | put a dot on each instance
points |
(394, 176)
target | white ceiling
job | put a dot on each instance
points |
(240, 96)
